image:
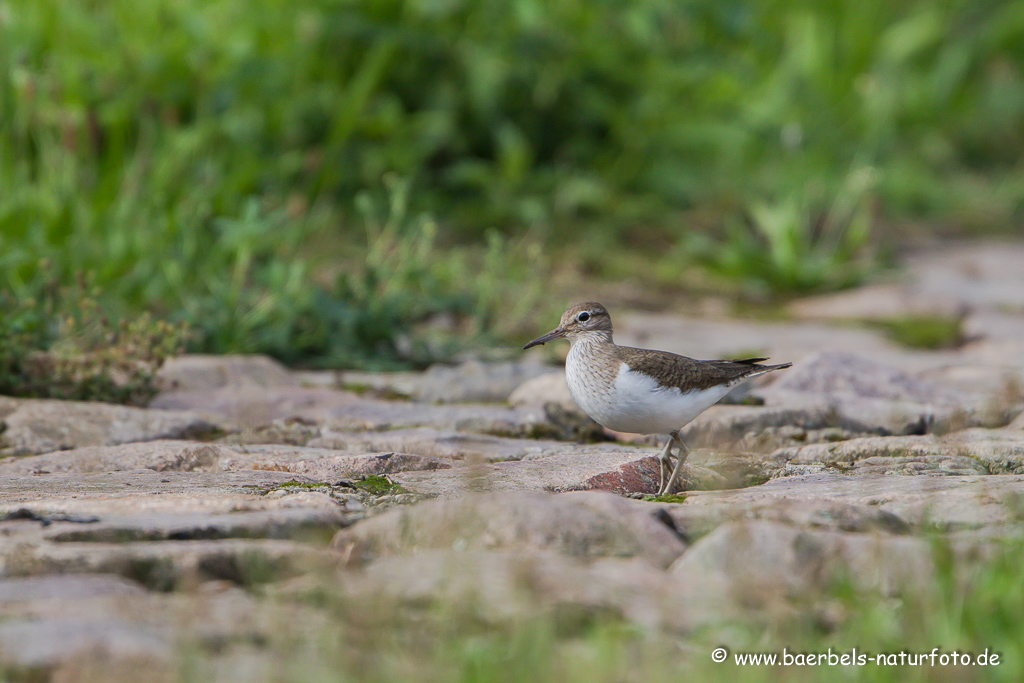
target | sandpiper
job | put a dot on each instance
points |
(640, 390)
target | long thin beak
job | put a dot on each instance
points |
(556, 333)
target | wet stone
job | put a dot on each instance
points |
(579, 469)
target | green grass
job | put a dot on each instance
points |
(302, 484)
(317, 180)
(925, 332)
(378, 485)
(65, 346)
(667, 498)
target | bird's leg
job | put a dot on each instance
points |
(683, 452)
(665, 461)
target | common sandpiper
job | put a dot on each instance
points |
(642, 391)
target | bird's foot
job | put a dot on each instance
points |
(665, 465)
(683, 453)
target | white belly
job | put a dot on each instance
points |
(635, 403)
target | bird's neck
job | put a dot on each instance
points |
(591, 366)
(591, 344)
(592, 338)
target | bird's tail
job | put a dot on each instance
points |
(757, 368)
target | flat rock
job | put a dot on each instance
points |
(869, 393)
(439, 443)
(550, 387)
(86, 627)
(345, 410)
(320, 464)
(502, 587)
(974, 274)
(700, 518)
(993, 325)
(974, 451)
(65, 587)
(476, 381)
(144, 491)
(160, 565)
(714, 338)
(199, 372)
(840, 374)
(591, 524)
(394, 384)
(762, 561)
(727, 426)
(795, 341)
(159, 455)
(497, 420)
(999, 381)
(42, 425)
(582, 469)
(246, 408)
(285, 523)
(925, 502)
(935, 282)
(42, 643)
(884, 301)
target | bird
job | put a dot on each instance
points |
(642, 391)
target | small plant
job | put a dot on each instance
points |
(926, 332)
(378, 485)
(302, 484)
(667, 498)
(54, 347)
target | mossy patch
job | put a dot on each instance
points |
(378, 485)
(667, 498)
(303, 484)
(755, 480)
(368, 390)
(925, 332)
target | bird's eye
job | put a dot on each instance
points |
(583, 317)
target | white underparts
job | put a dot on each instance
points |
(635, 402)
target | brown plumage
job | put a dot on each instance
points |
(670, 369)
(641, 390)
(673, 370)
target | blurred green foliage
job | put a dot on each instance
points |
(926, 332)
(204, 160)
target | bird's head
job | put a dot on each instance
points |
(579, 321)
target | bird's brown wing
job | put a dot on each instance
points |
(685, 373)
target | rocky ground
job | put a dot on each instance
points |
(205, 530)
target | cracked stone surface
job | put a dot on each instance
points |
(40, 426)
(252, 507)
(591, 524)
(982, 451)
